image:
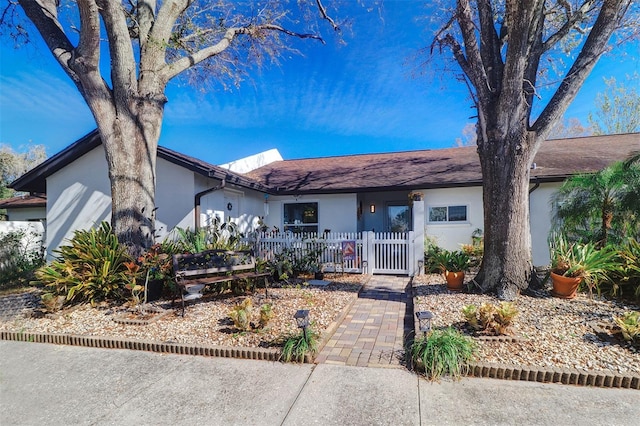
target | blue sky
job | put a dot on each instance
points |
(333, 100)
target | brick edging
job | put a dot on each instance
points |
(144, 345)
(565, 376)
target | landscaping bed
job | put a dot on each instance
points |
(547, 332)
(206, 320)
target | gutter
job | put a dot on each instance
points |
(198, 199)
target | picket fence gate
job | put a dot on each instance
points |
(375, 252)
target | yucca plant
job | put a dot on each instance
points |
(91, 268)
(442, 352)
(629, 275)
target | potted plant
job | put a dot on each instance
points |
(573, 264)
(453, 265)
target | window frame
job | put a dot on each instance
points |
(287, 227)
(447, 214)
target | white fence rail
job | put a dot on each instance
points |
(375, 253)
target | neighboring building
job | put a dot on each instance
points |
(339, 194)
(29, 208)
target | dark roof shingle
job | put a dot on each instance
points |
(438, 168)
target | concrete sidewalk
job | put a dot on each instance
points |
(44, 384)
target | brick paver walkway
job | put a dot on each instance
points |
(373, 333)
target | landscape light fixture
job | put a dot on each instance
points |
(424, 321)
(302, 320)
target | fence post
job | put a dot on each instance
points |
(368, 252)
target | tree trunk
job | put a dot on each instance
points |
(507, 268)
(130, 142)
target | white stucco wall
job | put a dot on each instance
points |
(337, 212)
(451, 235)
(78, 197)
(540, 219)
(247, 206)
(27, 213)
(174, 197)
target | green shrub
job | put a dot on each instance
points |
(629, 324)
(431, 253)
(442, 352)
(629, 254)
(491, 319)
(19, 258)
(217, 236)
(91, 269)
(297, 346)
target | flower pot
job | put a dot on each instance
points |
(455, 280)
(154, 290)
(318, 276)
(564, 287)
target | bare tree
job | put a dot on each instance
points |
(504, 49)
(147, 43)
(617, 107)
(569, 128)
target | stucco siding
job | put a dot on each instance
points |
(174, 197)
(78, 197)
(336, 212)
(540, 219)
(27, 214)
(451, 235)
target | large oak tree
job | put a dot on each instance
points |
(508, 51)
(122, 54)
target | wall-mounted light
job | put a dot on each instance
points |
(372, 208)
(229, 206)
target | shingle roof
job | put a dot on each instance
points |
(24, 201)
(423, 169)
(35, 180)
(556, 159)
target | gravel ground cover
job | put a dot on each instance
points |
(206, 320)
(549, 332)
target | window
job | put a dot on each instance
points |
(301, 217)
(399, 218)
(448, 214)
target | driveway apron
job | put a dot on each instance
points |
(374, 331)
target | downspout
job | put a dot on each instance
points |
(198, 198)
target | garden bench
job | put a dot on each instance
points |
(211, 267)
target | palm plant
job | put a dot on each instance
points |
(601, 207)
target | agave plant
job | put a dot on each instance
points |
(629, 324)
(241, 314)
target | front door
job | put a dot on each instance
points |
(398, 218)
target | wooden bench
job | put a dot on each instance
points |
(214, 267)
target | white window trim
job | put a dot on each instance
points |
(447, 222)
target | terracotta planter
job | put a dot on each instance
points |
(565, 287)
(455, 280)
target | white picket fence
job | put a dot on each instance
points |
(375, 253)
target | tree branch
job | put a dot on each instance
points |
(123, 63)
(610, 16)
(186, 62)
(44, 15)
(325, 16)
(572, 20)
(478, 75)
